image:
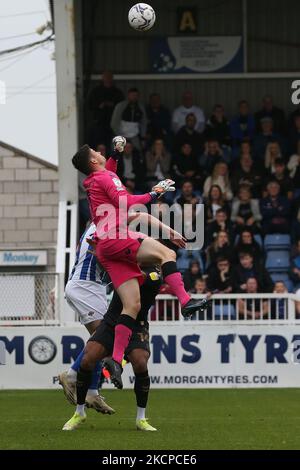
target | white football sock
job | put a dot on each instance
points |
(72, 375)
(141, 413)
(80, 410)
(92, 392)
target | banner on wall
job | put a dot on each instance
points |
(209, 54)
(183, 356)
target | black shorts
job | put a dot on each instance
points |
(105, 335)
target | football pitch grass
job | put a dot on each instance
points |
(186, 419)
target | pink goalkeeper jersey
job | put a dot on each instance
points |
(105, 187)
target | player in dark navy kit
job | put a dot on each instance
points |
(100, 345)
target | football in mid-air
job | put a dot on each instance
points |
(141, 17)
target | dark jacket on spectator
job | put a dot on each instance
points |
(187, 136)
(215, 283)
(275, 214)
(219, 131)
(265, 283)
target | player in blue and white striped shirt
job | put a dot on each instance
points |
(86, 294)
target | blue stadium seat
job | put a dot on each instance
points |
(228, 312)
(278, 261)
(277, 242)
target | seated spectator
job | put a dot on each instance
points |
(185, 164)
(282, 177)
(248, 244)
(101, 102)
(221, 277)
(212, 155)
(191, 275)
(273, 152)
(279, 306)
(294, 167)
(248, 173)
(131, 165)
(102, 149)
(270, 111)
(245, 211)
(295, 218)
(129, 119)
(220, 177)
(294, 135)
(246, 269)
(214, 202)
(188, 135)
(159, 119)
(187, 196)
(219, 247)
(252, 308)
(199, 286)
(295, 265)
(264, 137)
(221, 222)
(217, 127)
(242, 126)
(158, 163)
(275, 211)
(187, 107)
(244, 150)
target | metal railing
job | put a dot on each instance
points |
(232, 308)
(28, 298)
(33, 299)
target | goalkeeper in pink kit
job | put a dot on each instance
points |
(120, 251)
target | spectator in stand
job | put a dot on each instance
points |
(188, 135)
(294, 167)
(131, 166)
(275, 211)
(220, 177)
(264, 137)
(199, 287)
(214, 201)
(246, 269)
(217, 127)
(101, 102)
(185, 164)
(245, 150)
(252, 308)
(219, 247)
(159, 120)
(278, 306)
(221, 277)
(294, 135)
(242, 126)
(212, 155)
(245, 211)
(187, 107)
(158, 162)
(295, 266)
(273, 152)
(187, 196)
(295, 217)
(221, 222)
(282, 177)
(102, 149)
(270, 111)
(247, 244)
(129, 119)
(191, 275)
(248, 173)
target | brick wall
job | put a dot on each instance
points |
(28, 202)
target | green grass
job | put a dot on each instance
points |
(186, 419)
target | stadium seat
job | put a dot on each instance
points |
(277, 242)
(276, 277)
(278, 261)
(226, 311)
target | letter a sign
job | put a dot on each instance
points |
(187, 20)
